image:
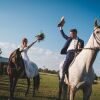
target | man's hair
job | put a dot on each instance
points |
(73, 30)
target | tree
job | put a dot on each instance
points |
(0, 51)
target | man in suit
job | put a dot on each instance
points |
(73, 44)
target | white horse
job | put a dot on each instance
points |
(81, 73)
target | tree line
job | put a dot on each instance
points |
(46, 70)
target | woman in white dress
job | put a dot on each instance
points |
(31, 68)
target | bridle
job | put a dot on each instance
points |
(96, 39)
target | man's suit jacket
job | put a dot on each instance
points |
(69, 39)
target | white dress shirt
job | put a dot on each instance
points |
(73, 44)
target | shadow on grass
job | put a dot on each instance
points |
(36, 97)
(45, 97)
(6, 98)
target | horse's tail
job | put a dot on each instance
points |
(37, 81)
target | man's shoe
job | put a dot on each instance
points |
(62, 22)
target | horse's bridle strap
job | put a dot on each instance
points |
(95, 48)
(91, 48)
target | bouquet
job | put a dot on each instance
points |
(40, 37)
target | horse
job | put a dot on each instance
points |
(81, 73)
(16, 70)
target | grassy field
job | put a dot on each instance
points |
(48, 89)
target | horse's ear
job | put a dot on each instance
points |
(96, 23)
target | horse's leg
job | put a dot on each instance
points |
(64, 93)
(87, 92)
(60, 89)
(14, 84)
(33, 87)
(36, 83)
(11, 89)
(28, 86)
(72, 93)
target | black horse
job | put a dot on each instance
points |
(16, 70)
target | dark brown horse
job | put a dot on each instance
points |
(16, 70)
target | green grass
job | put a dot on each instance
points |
(48, 89)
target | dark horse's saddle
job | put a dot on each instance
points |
(16, 64)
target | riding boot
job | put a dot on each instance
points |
(66, 73)
(63, 76)
(67, 76)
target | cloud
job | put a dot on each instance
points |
(42, 57)
(45, 57)
(7, 48)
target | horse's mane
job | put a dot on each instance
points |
(14, 53)
(98, 26)
(16, 63)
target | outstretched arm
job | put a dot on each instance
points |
(31, 44)
(63, 34)
(23, 49)
(39, 38)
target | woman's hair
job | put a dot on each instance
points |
(24, 40)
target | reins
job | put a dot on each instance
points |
(95, 48)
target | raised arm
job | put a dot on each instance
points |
(63, 34)
(22, 49)
(32, 44)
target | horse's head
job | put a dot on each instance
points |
(16, 59)
(96, 34)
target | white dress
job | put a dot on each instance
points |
(31, 68)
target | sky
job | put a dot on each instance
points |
(27, 18)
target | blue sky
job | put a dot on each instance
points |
(26, 18)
